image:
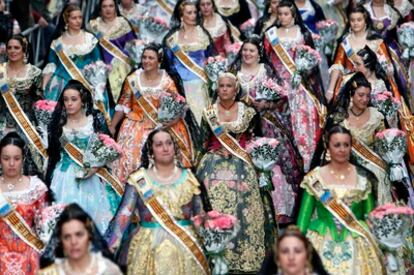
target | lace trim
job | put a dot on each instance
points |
(202, 42)
(26, 82)
(338, 67)
(78, 49)
(50, 68)
(405, 8)
(219, 28)
(35, 190)
(241, 124)
(155, 91)
(84, 131)
(118, 29)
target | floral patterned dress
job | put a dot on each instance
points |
(17, 257)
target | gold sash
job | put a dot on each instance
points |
(114, 50)
(151, 112)
(75, 73)
(342, 213)
(291, 68)
(77, 156)
(23, 121)
(364, 152)
(140, 180)
(186, 60)
(165, 7)
(226, 140)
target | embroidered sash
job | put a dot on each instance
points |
(151, 112)
(342, 213)
(186, 60)
(19, 226)
(291, 68)
(75, 73)
(165, 6)
(348, 50)
(77, 156)
(365, 153)
(22, 120)
(141, 181)
(226, 140)
(113, 50)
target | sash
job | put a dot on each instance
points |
(365, 153)
(235, 32)
(348, 50)
(165, 6)
(186, 60)
(141, 181)
(77, 156)
(291, 68)
(22, 120)
(113, 50)
(342, 213)
(226, 140)
(151, 112)
(50, 270)
(19, 226)
(75, 73)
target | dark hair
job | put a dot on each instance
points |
(98, 8)
(157, 48)
(12, 138)
(336, 129)
(26, 47)
(369, 57)
(67, 9)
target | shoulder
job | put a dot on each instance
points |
(38, 184)
(34, 71)
(106, 266)
(50, 270)
(312, 180)
(136, 177)
(375, 115)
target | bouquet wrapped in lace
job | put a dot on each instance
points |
(43, 110)
(328, 30)
(134, 49)
(46, 220)
(264, 153)
(268, 90)
(247, 28)
(216, 230)
(306, 59)
(387, 105)
(232, 50)
(155, 25)
(172, 106)
(96, 74)
(405, 35)
(391, 225)
(214, 66)
(391, 145)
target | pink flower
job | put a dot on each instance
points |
(210, 59)
(213, 214)
(197, 220)
(223, 223)
(249, 23)
(390, 209)
(45, 105)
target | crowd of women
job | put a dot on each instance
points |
(111, 76)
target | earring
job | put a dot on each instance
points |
(328, 156)
(151, 161)
(25, 59)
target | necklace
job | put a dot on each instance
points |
(166, 179)
(73, 35)
(88, 269)
(10, 185)
(355, 114)
(16, 72)
(227, 110)
(340, 176)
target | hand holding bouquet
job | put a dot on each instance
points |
(328, 30)
(214, 66)
(391, 145)
(172, 106)
(387, 105)
(155, 25)
(216, 230)
(405, 35)
(264, 153)
(268, 90)
(306, 59)
(96, 74)
(43, 110)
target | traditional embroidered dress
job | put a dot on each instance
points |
(17, 257)
(152, 249)
(220, 34)
(342, 251)
(137, 124)
(118, 34)
(233, 188)
(311, 13)
(406, 10)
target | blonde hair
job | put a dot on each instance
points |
(231, 76)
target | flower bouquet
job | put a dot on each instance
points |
(264, 153)
(387, 105)
(306, 59)
(247, 28)
(328, 30)
(405, 35)
(391, 145)
(155, 25)
(214, 66)
(135, 49)
(232, 50)
(96, 74)
(268, 90)
(391, 225)
(46, 220)
(216, 230)
(171, 107)
(43, 110)
(317, 41)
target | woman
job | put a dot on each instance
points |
(311, 13)
(306, 109)
(139, 102)
(187, 48)
(352, 111)
(75, 122)
(133, 11)
(252, 70)
(217, 26)
(157, 20)
(8, 27)
(337, 198)
(113, 32)
(24, 89)
(229, 176)
(22, 198)
(154, 248)
(77, 246)
(71, 50)
(268, 19)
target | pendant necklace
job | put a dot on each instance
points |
(341, 176)
(227, 110)
(355, 114)
(11, 186)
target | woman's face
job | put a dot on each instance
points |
(206, 7)
(250, 54)
(15, 51)
(11, 161)
(72, 101)
(292, 256)
(340, 147)
(284, 15)
(75, 20)
(273, 6)
(357, 22)
(361, 98)
(108, 10)
(189, 15)
(126, 3)
(226, 89)
(149, 60)
(75, 239)
(2, 5)
(163, 148)
(360, 66)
